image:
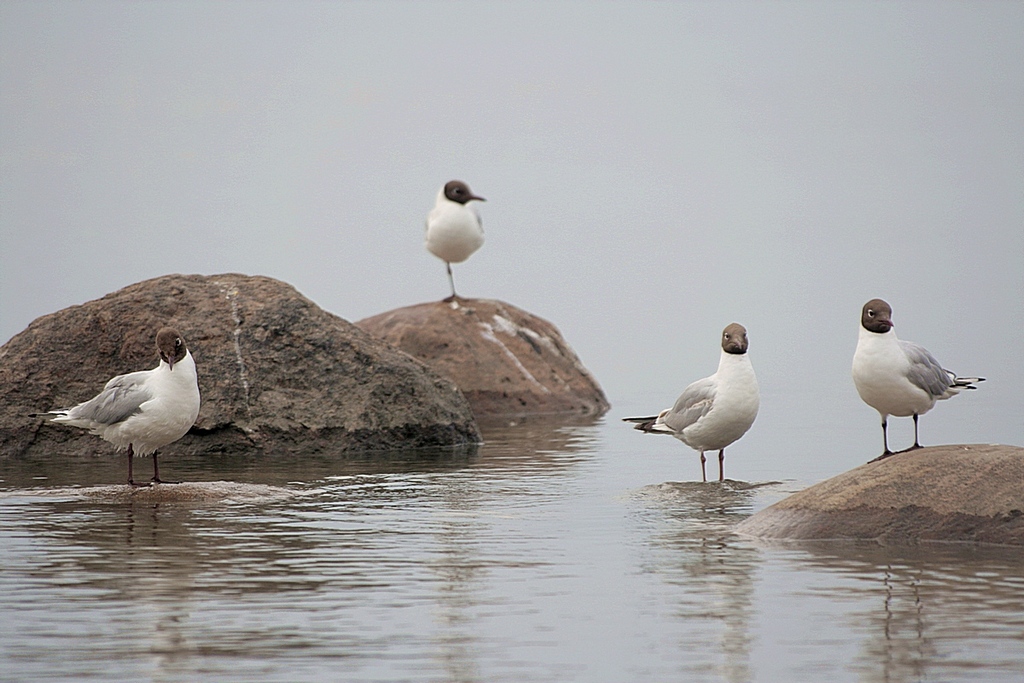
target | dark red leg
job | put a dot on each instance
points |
(131, 457)
(156, 473)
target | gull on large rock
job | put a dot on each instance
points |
(277, 373)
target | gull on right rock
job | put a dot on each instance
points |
(898, 377)
(454, 227)
(716, 411)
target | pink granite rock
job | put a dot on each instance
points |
(505, 360)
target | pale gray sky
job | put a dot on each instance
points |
(653, 172)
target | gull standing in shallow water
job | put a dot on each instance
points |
(715, 411)
(897, 377)
(454, 227)
(146, 410)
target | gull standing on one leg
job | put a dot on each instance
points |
(898, 378)
(715, 411)
(454, 227)
(146, 410)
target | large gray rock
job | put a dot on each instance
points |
(942, 493)
(505, 360)
(276, 372)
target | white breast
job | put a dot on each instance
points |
(454, 231)
(880, 374)
(734, 409)
(167, 416)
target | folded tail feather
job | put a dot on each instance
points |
(964, 382)
(650, 424)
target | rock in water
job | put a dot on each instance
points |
(941, 493)
(276, 372)
(505, 360)
(186, 492)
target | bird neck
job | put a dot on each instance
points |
(869, 338)
(733, 362)
(184, 368)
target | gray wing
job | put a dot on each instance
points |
(119, 400)
(693, 404)
(925, 371)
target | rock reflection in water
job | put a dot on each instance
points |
(518, 452)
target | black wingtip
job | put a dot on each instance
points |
(643, 424)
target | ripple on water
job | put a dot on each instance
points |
(528, 559)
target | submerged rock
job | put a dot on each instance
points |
(942, 493)
(276, 372)
(505, 360)
(186, 492)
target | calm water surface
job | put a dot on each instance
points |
(551, 553)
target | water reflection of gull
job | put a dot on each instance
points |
(709, 570)
(938, 612)
(462, 572)
(718, 506)
(151, 587)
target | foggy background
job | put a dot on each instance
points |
(653, 172)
